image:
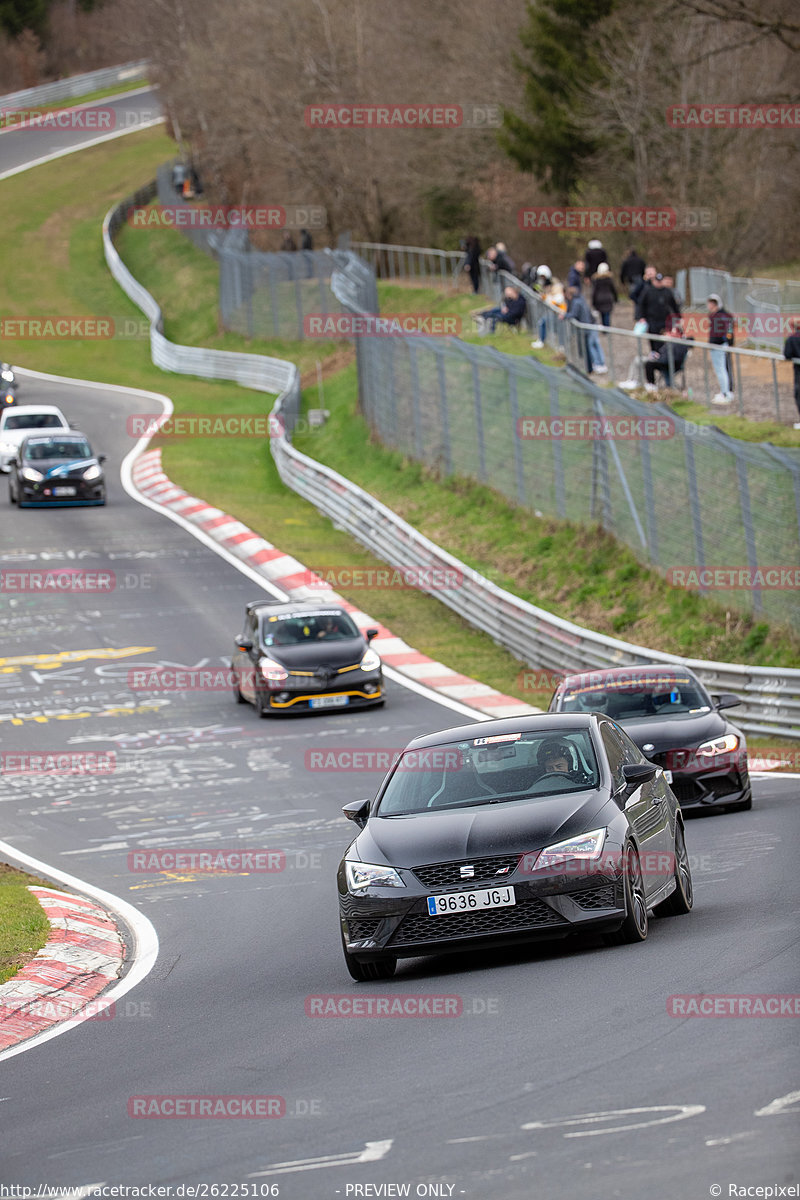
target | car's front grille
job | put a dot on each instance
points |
(418, 928)
(444, 875)
(363, 929)
(603, 897)
(686, 790)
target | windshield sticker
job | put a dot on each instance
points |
(498, 737)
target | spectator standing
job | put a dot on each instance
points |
(595, 254)
(288, 242)
(640, 285)
(604, 293)
(508, 262)
(579, 310)
(576, 273)
(306, 240)
(791, 350)
(472, 262)
(632, 270)
(720, 336)
(655, 305)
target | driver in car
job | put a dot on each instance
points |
(555, 757)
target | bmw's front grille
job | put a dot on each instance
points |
(602, 897)
(418, 928)
(445, 875)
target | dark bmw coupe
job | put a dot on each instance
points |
(300, 657)
(510, 831)
(676, 723)
(54, 469)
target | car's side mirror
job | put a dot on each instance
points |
(635, 774)
(243, 643)
(101, 458)
(358, 811)
(371, 633)
(726, 700)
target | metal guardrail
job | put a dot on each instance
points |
(76, 85)
(534, 636)
(748, 296)
(411, 262)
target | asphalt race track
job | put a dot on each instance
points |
(562, 1077)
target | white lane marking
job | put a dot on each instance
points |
(486, 1137)
(678, 1112)
(106, 137)
(519, 1157)
(372, 1152)
(782, 1104)
(145, 941)
(147, 87)
(726, 1141)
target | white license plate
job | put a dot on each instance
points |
(456, 902)
(64, 491)
(329, 701)
(668, 776)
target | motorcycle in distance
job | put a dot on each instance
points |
(8, 386)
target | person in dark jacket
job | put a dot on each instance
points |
(510, 312)
(655, 305)
(720, 336)
(472, 262)
(579, 310)
(604, 294)
(791, 350)
(306, 240)
(575, 274)
(669, 359)
(640, 285)
(632, 270)
(595, 254)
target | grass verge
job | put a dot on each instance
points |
(24, 928)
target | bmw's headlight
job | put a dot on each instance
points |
(93, 472)
(723, 745)
(31, 475)
(363, 875)
(371, 661)
(585, 847)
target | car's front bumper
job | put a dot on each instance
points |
(710, 787)
(375, 927)
(361, 690)
(33, 495)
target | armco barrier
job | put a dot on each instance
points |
(534, 636)
(76, 86)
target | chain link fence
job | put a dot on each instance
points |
(687, 499)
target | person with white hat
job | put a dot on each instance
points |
(595, 254)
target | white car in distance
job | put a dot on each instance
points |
(17, 422)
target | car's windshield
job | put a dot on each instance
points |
(665, 693)
(487, 770)
(37, 449)
(32, 421)
(295, 628)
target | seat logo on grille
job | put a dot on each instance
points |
(468, 872)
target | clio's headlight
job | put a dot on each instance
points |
(371, 661)
(363, 875)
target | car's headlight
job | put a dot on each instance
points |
(586, 846)
(363, 875)
(93, 472)
(371, 661)
(723, 745)
(31, 475)
(7, 376)
(272, 671)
